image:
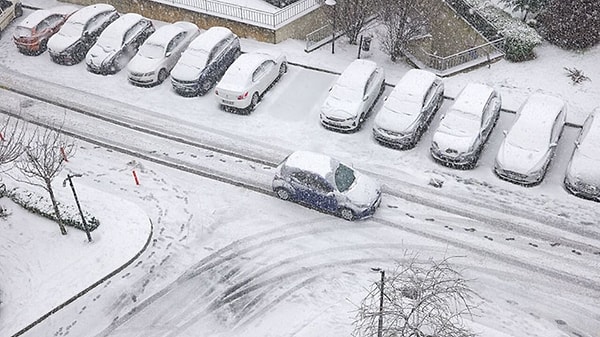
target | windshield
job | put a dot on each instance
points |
(152, 51)
(71, 29)
(461, 124)
(109, 42)
(344, 93)
(344, 177)
(197, 58)
(405, 105)
(525, 137)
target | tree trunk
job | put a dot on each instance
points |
(63, 230)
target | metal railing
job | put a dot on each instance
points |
(474, 55)
(246, 14)
(318, 37)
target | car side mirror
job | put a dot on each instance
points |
(553, 145)
(365, 98)
(577, 144)
(385, 98)
(168, 54)
(330, 88)
(505, 132)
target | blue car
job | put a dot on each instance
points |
(326, 184)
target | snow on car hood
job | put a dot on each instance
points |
(185, 72)
(339, 108)
(398, 119)
(364, 190)
(585, 169)
(58, 42)
(446, 141)
(97, 55)
(520, 160)
(141, 65)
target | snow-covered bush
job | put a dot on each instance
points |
(520, 39)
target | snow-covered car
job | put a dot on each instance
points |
(31, 35)
(80, 32)
(118, 43)
(583, 173)
(408, 110)
(160, 52)
(248, 78)
(466, 126)
(353, 96)
(530, 144)
(205, 61)
(324, 183)
(9, 10)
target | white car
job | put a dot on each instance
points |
(529, 146)
(352, 96)
(160, 52)
(79, 33)
(466, 126)
(408, 110)
(583, 173)
(118, 43)
(248, 78)
(9, 10)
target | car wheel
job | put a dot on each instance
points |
(347, 214)
(206, 85)
(19, 10)
(162, 75)
(283, 69)
(282, 193)
(254, 102)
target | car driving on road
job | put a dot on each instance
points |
(118, 43)
(31, 35)
(80, 32)
(9, 10)
(408, 110)
(466, 126)
(528, 148)
(326, 184)
(248, 78)
(353, 96)
(205, 61)
(583, 173)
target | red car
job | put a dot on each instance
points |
(32, 34)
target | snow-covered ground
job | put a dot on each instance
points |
(210, 237)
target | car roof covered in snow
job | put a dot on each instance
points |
(36, 17)
(84, 14)
(473, 98)
(240, 72)
(311, 161)
(164, 34)
(358, 72)
(209, 38)
(414, 83)
(539, 111)
(123, 23)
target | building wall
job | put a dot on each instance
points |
(297, 29)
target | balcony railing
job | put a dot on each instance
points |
(246, 14)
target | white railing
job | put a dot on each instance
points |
(246, 14)
(318, 37)
(483, 52)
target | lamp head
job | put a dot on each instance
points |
(330, 2)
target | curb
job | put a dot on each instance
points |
(94, 285)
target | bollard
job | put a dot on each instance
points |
(137, 182)
(64, 155)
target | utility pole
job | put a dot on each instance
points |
(380, 326)
(85, 227)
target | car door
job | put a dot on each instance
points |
(174, 49)
(270, 72)
(216, 61)
(299, 183)
(369, 93)
(320, 193)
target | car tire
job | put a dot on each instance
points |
(162, 75)
(283, 194)
(282, 69)
(347, 214)
(18, 10)
(43, 47)
(254, 102)
(206, 86)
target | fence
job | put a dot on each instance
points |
(488, 50)
(318, 37)
(245, 14)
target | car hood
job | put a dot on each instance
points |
(337, 108)
(59, 43)
(516, 159)
(97, 55)
(584, 169)
(395, 121)
(185, 72)
(364, 190)
(446, 141)
(140, 64)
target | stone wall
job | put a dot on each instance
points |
(297, 29)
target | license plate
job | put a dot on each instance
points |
(226, 102)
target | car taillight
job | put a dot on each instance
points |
(244, 95)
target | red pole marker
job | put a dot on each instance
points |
(1, 137)
(64, 155)
(137, 182)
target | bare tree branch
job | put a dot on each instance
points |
(13, 138)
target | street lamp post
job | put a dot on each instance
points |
(85, 227)
(332, 4)
(380, 326)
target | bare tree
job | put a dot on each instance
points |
(353, 15)
(419, 300)
(13, 138)
(403, 21)
(42, 161)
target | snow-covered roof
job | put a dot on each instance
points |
(84, 14)
(415, 82)
(540, 109)
(311, 161)
(164, 34)
(209, 38)
(247, 63)
(34, 18)
(358, 71)
(473, 98)
(122, 24)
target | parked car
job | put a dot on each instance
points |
(466, 126)
(118, 43)
(352, 96)
(159, 54)
(205, 61)
(324, 183)
(248, 78)
(529, 146)
(408, 110)
(583, 173)
(80, 32)
(31, 35)
(9, 10)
